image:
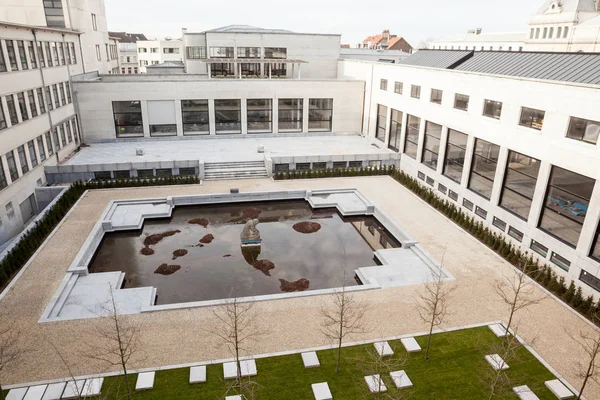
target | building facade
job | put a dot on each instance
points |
(386, 41)
(152, 52)
(128, 51)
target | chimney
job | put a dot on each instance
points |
(386, 34)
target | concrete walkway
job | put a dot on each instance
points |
(174, 337)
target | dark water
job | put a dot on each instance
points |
(342, 244)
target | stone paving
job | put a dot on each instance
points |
(179, 336)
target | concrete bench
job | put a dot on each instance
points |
(92, 387)
(310, 359)
(411, 345)
(498, 329)
(375, 384)
(524, 393)
(496, 362)
(559, 389)
(198, 374)
(400, 379)
(383, 349)
(73, 389)
(145, 381)
(16, 394)
(321, 391)
(35, 392)
(236, 397)
(248, 368)
(54, 391)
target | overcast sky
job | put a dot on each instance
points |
(416, 20)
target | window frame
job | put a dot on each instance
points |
(259, 115)
(486, 103)
(320, 115)
(464, 98)
(434, 99)
(531, 124)
(573, 121)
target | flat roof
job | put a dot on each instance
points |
(41, 28)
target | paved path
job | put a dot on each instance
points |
(173, 337)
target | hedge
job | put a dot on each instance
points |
(334, 173)
(18, 256)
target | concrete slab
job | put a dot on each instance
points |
(499, 330)
(375, 384)
(524, 393)
(16, 394)
(401, 380)
(321, 391)
(54, 391)
(73, 389)
(248, 368)
(198, 374)
(310, 359)
(145, 381)
(559, 389)
(383, 349)
(496, 362)
(35, 392)
(92, 387)
(236, 397)
(411, 345)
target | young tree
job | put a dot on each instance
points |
(432, 304)
(590, 369)
(517, 292)
(343, 317)
(118, 344)
(376, 364)
(67, 366)
(9, 349)
(497, 380)
(236, 327)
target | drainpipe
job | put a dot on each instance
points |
(370, 101)
(73, 96)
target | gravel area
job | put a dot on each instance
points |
(182, 336)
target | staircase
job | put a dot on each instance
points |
(235, 170)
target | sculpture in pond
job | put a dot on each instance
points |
(250, 236)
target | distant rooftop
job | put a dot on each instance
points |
(247, 29)
(569, 5)
(484, 37)
(564, 67)
(167, 64)
(125, 37)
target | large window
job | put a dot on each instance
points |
(398, 87)
(520, 179)
(3, 182)
(436, 96)
(170, 50)
(195, 116)
(456, 148)
(415, 91)
(492, 109)
(54, 13)
(12, 56)
(532, 118)
(276, 52)
(278, 69)
(483, 167)
(248, 52)
(2, 60)
(32, 154)
(40, 51)
(260, 112)
(22, 54)
(32, 107)
(461, 102)
(128, 118)
(41, 149)
(320, 115)
(41, 102)
(584, 130)
(195, 52)
(567, 200)
(228, 116)
(383, 84)
(411, 142)
(3, 124)
(22, 106)
(222, 69)
(251, 70)
(395, 130)
(381, 122)
(221, 52)
(12, 166)
(431, 145)
(23, 159)
(31, 51)
(12, 109)
(290, 115)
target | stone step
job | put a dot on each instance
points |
(227, 178)
(235, 164)
(234, 175)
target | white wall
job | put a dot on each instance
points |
(159, 57)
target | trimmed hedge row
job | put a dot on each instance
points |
(333, 173)
(18, 256)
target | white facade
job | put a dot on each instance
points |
(389, 56)
(129, 58)
(152, 52)
(561, 101)
(480, 41)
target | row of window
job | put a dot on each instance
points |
(567, 193)
(26, 105)
(129, 70)
(247, 69)
(548, 33)
(29, 155)
(166, 50)
(284, 167)
(482, 48)
(579, 129)
(199, 52)
(227, 117)
(22, 55)
(143, 173)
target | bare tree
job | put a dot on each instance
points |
(67, 366)
(517, 291)
(119, 344)
(497, 380)
(236, 327)
(342, 318)
(432, 304)
(377, 364)
(9, 349)
(590, 343)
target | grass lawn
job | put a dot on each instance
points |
(454, 371)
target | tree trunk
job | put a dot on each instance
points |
(126, 381)
(339, 355)
(428, 341)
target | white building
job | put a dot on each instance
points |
(40, 51)
(389, 56)
(152, 52)
(128, 51)
(559, 25)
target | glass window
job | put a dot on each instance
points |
(461, 102)
(55, 138)
(170, 50)
(54, 13)
(128, 118)
(12, 166)
(383, 84)
(411, 142)
(195, 52)
(55, 94)
(22, 54)
(68, 90)
(453, 195)
(221, 52)
(431, 144)
(550, 33)
(398, 87)
(73, 54)
(395, 130)
(23, 159)
(589, 279)
(520, 179)
(483, 167)
(320, 115)
(145, 173)
(63, 137)
(250, 70)
(54, 53)
(468, 204)
(195, 116)
(436, 96)
(163, 129)
(442, 188)
(260, 115)
(32, 106)
(567, 200)
(560, 261)
(3, 67)
(480, 212)
(278, 69)
(276, 52)
(532, 118)
(12, 56)
(40, 52)
(559, 32)
(49, 143)
(49, 97)
(456, 149)
(228, 116)
(41, 102)
(415, 91)
(61, 53)
(584, 130)
(3, 124)
(515, 234)
(41, 149)
(248, 52)
(539, 248)
(221, 69)
(32, 154)
(381, 122)
(537, 33)
(290, 115)
(22, 106)
(68, 53)
(49, 55)
(63, 99)
(12, 109)
(492, 109)
(498, 223)
(69, 133)
(3, 181)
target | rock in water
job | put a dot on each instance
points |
(157, 237)
(307, 227)
(264, 266)
(297, 286)
(147, 251)
(165, 269)
(199, 221)
(179, 253)
(207, 239)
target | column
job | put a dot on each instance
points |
(269, 67)
(388, 116)
(208, 69)
(293, 69)
(499, 176)
(442, 150)
(146, 125)
(403, 131)
(539, 195)
(421, 140)
(178, 117)
(468, 160)
(299, 64)
(305, 107)
(275, 115)
(211, 117)
(244, 115)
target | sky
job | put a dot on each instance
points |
(416, 20)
